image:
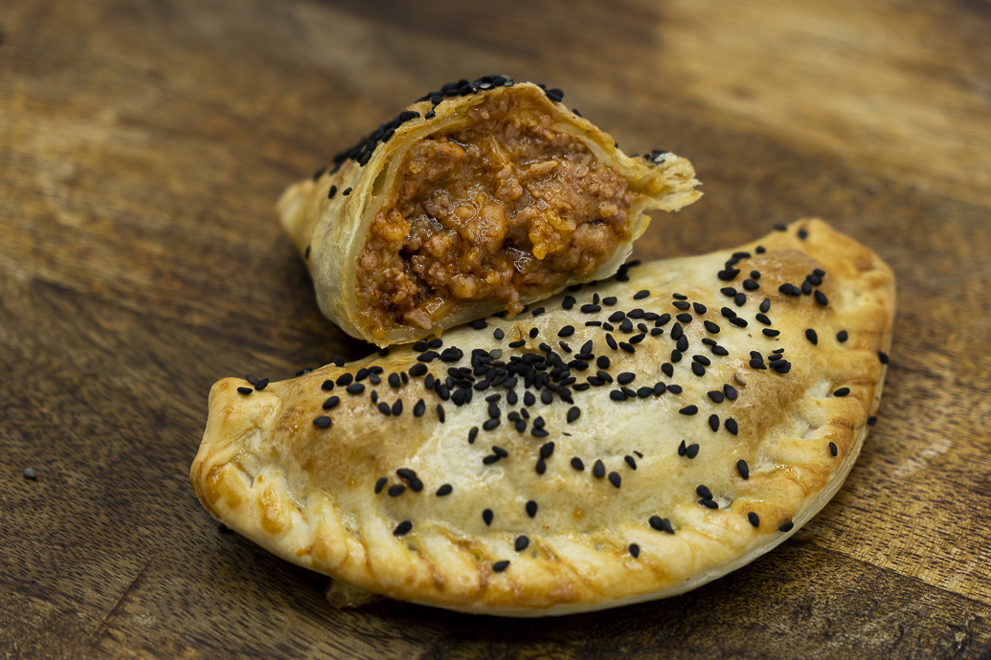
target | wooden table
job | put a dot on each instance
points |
(142, 148)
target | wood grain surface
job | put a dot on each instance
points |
(143, 146)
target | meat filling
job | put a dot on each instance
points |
(505, 209)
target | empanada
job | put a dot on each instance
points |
(484, 196)
(628, 440)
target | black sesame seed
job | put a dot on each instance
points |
(355, 388)
(730, 392)
(403, 528)
(347, 191)
(821, 298)
(872, 420)
(531, 508)
(590, 308)
(787, 527)
(743, 468)
(245, 390)
(811, 335)
(684, 318)
(537, 312)
(674, 389)
(703, 491)
(384, 408)
(634, 550)
(739, 322)
(598, 469)
(380, 484)
(714, 422)
(517, 344)
(765, 305)
(322, 422)
(754, 519)
(731, 426)
(444, 490)
(521, 544)
(615, 479)
(689, 410)
(740, 299)
(489, 425)
(667, 369)
(500, 566)
(698, 369)
(843, 391)
(716, 396)
(728, 274)
(711, 327)
(806, 287)
(832, 449)
(396, 490)
(610, 300)
(728, 291)
(417, 370)
(699, 308)
(709, 504)
(487, 516)
(682, 304)
(842, 336)
(419, 408)
(790, 289)
(883, 357)
(573, 413)
(546, 450)
(617, 395)
(577, 464)
(640, 295)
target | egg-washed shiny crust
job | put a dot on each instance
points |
(651, 434)
(470, 203)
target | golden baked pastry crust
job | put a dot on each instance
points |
(331, 230)
(308, 494)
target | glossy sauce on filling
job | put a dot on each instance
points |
(505, 209)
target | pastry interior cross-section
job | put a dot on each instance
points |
(503, 197)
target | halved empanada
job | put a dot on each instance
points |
(630, 440)
(481, 197)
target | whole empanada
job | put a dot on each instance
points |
(625, 441)
(484, 196)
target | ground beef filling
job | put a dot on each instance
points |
(505, 209)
